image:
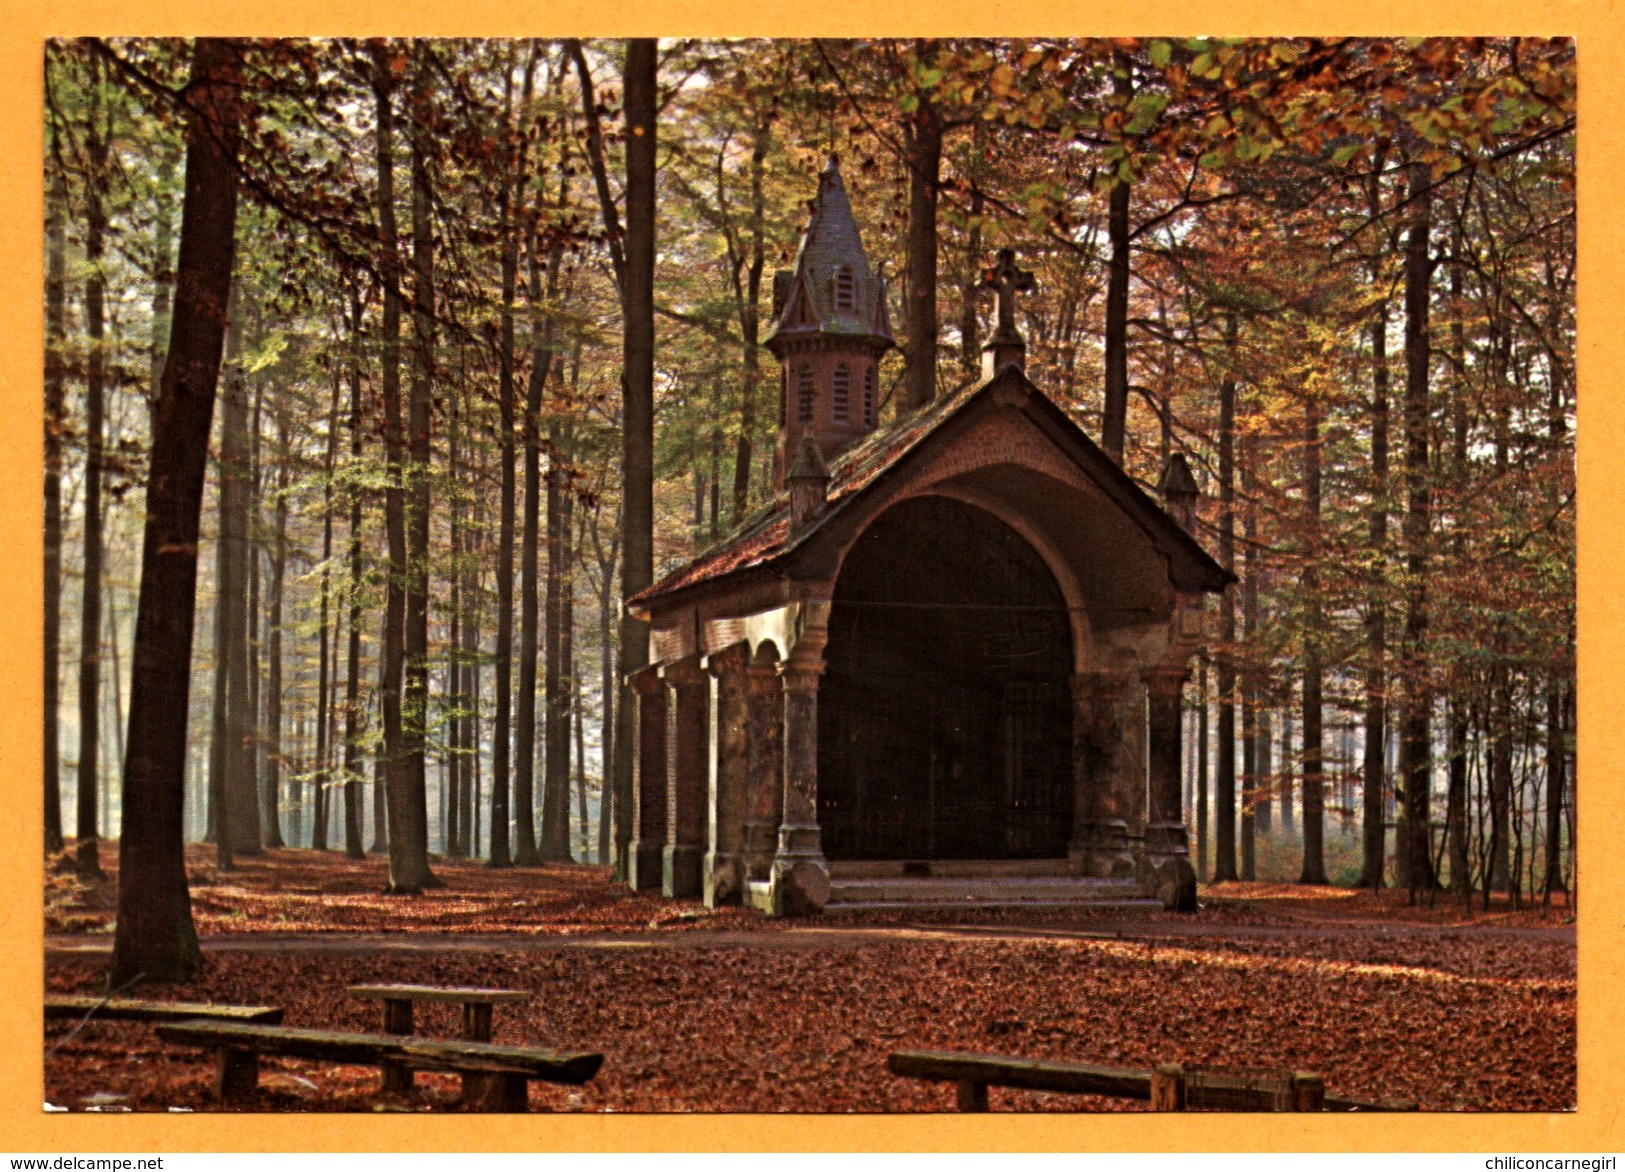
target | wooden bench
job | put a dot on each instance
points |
(495, 1077)
(398, 1000)
(128, 1010)
(1168, 1088)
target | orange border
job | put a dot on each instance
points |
(1594, 1127)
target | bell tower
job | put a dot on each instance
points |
(830, 329)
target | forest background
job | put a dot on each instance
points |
(697, 486)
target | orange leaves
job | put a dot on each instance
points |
(695, 1015)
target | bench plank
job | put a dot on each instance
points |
(467, 995)
(1026, 1073)
(457, 1055)
(132, 1010)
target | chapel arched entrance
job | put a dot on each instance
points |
(944, 710)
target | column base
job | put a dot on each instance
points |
(724, 878)
(680, 871)
(1104, 851)
(1166, 866)
(798, 884)
(643, 872)
(1167, 838)
(756, 857)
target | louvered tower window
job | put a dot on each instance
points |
(804, 394)
(846, 293)
(841, 393)
(869, 397)
(784, 396)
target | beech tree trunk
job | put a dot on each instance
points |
(750, 324)
(922, 144)
(392, 764)
(87, 863)
(501, 732)
(271, 794)
(408, 811)
(560, 653)
(637, 415)
(355, 716)
(1374, 766)
(1224, 781)
(1314, 776)
(56, 338)
(1415, 756)
(1114, 408)
(154, 938)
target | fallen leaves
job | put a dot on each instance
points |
(727, 1011)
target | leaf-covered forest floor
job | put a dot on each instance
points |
(699, 1010)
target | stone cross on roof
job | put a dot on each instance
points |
(1008, 280)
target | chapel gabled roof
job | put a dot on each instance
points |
(764, 542)
(805, 295)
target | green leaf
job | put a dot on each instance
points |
(1161, 52)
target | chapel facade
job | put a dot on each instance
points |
(956, 645)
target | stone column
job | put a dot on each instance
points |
(649, 771)
(800, 876)
(1104, 770)
(723, 875)
(765, 769)
(1167, 847)
(686, 745)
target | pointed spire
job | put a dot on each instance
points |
(829, 331)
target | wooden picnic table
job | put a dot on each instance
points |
(398, 1000)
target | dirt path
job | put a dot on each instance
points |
(817, 937)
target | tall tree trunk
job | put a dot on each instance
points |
(392, 764)
(1201, 768)
(608, 744)
(1114, 409)
(970, 343)
(750, 325)
(1247, 676)
(322, 776)
(1556, 748)
(524, 777)
(1314, 777)
(541, 360)
(154, 937)
(86, 856)
(555, 845)
(231, 764)
(408, 812)
(637, 415)
(922, 145)
(254, 612)
(1415, 755)
(1224, 815)
(56, 340)
(272, 793)
(456, 704)
(355, 716)
(501, 732)
(1374, 766)
(1501, 719)
(1461, 873)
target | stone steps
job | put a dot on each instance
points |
(936, 892)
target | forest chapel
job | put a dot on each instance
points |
(947, 663)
